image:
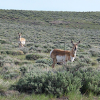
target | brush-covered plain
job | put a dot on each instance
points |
(26, 73)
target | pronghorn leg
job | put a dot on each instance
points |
(64, 62)
(22, 46)
(54, 62)
(19, 45)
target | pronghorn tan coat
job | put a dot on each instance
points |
(63, 56)
(21, 40)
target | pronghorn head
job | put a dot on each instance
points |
(75, 45)
(19, 35)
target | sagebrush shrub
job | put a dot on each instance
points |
(3, 41)
(1, 61)
(40, 65)
(85, 46)
(60, 82)
(47, 50)
(45, 61)
(90, 80)
(98, 59)
(49, 83)
(94, 53)
(12, 75)
(24, 50)
(33, 56)
(23, 69)
(12, 52)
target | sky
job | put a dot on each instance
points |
(51, 5)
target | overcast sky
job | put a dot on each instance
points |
(51, 5)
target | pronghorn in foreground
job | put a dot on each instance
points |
(21, 40)
(62, 56)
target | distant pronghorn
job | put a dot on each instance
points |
(63, 56)
(21, 40)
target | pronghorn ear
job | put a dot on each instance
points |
(78, 42)
(71, 41)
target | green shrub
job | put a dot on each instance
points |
(1, 57)
(12, 75)
(90, 82)
(33, 56)
(59, 83)
(37, 45)
(30, 44)
(80, 65)
(94, 63)
(4, 70)
(94, 53)
(45, 61)
(40, 65)
(24, 50)
(86, 46)
(19, 62)
(47, 50)
(3, 41)
(3, 52)
(39, 49)
(2, 89)
(23, 70)
(32, 48)
(87, 60)
(12, 52)
(98, 59)
(9, 72)
(1, 61)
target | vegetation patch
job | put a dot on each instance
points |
(94, 53)
(1, 61)
(61, 82)
(34, 56)
(12, 52)
(3, 41)
(49, 83)
(45, 61)
(29, 67)
(41, 65)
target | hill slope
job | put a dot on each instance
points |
(67, 19)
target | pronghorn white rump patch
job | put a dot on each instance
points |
(61, 58)
(50, 52)
(23, 42)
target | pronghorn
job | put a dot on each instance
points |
(21, 40)
(62, 56)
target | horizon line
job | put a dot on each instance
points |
(49, 10)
